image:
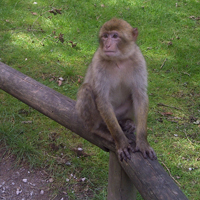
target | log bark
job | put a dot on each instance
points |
(120, 186)
(148, 176)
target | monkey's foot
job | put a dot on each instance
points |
(127, 126)
(146, 151)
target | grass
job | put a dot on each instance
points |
(31, 41)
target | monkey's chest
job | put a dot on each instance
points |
(120, 86)
(119, 94)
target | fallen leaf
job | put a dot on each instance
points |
(169, 43)
(60, 160)
(98, 17)
(61, 37)
(59, 82)
(58, 11)
(27, 122)
(186, 73)
(86, 188)
(167, 113)
(55, 11)
(61, 78)
(52, 11)
(73, 44)
(80, 76)
(34, 13)
(197, 122)
(81, 179)
(192, 17)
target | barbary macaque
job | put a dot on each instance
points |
(114, 91)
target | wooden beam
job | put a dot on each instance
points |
(148, 176)
(120, 186)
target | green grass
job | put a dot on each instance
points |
(29, 42)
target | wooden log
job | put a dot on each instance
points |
(148, 176)
(120, 186)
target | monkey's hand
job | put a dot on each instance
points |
(145, 149)
(124, 149)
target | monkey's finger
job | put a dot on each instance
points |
(155, 156)
(131, 148)
(135, 149)
(123, 157)
(120, 155)
(152, 155)
(144, 154)
(127, 154)
(150, 152)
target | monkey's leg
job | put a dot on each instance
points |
(86, 106)
(87, 109)
(103, 133)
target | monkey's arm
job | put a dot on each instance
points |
(140, 115)
(108, 115)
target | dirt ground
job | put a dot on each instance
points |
(21, 183)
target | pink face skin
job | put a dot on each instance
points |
(110, 41)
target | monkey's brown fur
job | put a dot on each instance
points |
(115, 89)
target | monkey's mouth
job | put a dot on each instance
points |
(110, 53)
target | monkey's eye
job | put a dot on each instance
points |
(115, 35)
(105, 35)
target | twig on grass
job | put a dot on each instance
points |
(161, 104)
(171, 174)
(187, 137)
(163, 63)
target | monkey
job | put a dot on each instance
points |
(114, 90)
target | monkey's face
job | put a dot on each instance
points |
(115, 45)
(109, 43)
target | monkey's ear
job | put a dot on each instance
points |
(135, 33)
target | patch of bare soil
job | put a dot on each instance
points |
(21, 183)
